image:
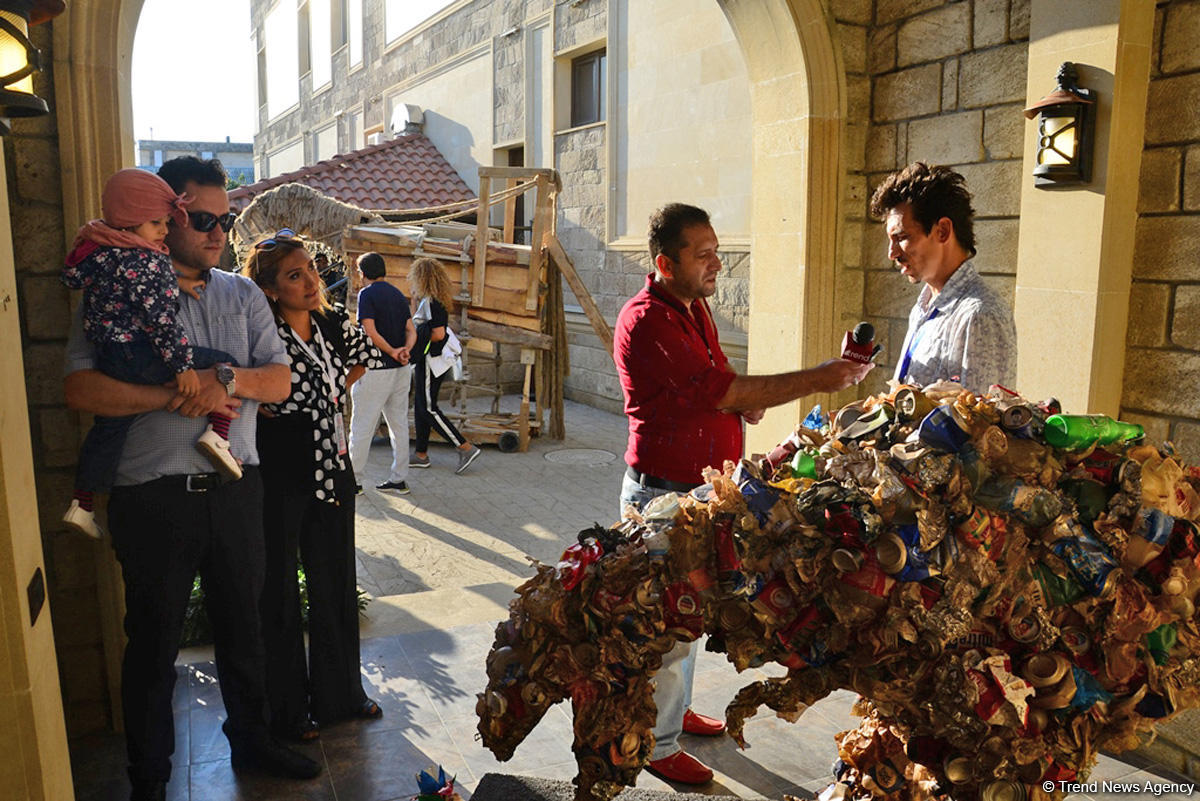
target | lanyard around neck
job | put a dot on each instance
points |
(906, 362)
(322, 364)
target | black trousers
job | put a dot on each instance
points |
(426, 413)
(322, 534)
(163, 534)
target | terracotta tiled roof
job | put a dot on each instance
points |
(403, 173)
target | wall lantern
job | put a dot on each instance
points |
(19, 59)
(1066, 132)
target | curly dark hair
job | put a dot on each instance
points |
(667, 226)
(933, 192)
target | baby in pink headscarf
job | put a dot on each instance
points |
(130, 314)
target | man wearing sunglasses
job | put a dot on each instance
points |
(171, 517)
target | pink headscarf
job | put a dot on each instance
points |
(132, 197)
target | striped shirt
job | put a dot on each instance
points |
(232, 315)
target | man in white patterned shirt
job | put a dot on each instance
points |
(959, 329)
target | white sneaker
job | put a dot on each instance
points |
(217, 450)
(82, 520)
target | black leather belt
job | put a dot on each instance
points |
(654, 482)
(194, 482)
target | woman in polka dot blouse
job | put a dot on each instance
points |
(308, 504)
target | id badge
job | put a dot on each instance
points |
(339, 430)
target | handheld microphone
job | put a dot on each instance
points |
(859, 345)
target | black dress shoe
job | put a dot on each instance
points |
(303, 731)
(148, 790)
(276, 759)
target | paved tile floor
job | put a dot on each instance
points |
(440, 565)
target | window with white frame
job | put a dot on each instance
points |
(320, 21)
(325, 143)
(281, 36)
(288, 158)
(401, 16)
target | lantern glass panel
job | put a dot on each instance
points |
(13, 55)
(1056, 144)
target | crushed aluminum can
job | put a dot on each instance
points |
(982, 530)
(1089, 562)
(1017, 420)
(775, 599)
(1004, 790)
(943, 430)
(847, 560)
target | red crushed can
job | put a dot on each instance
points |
(775, 599)
(806, 623)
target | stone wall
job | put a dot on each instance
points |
(579, 23)
(35, 203)
(508, 89)
(947, 87)
(1163, 342)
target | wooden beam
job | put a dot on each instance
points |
(516, 172)
(481, 235)
(537, 257)
(510, 212)
(523, 415)
(555, 249)
(508, 335)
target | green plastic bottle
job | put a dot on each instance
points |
(1074, 432)
(803, 464)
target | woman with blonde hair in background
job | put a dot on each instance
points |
(308, 504)
(432, 297)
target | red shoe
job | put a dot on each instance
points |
(695, 723)
(681, 767)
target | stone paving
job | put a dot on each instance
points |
(440, 565)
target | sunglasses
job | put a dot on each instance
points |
(284, 236)
(205, 221)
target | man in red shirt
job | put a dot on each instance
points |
(686, 406)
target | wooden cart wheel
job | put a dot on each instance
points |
(509, 442)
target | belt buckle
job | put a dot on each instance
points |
(201, 483)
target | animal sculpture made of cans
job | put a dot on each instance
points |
(1004, 608)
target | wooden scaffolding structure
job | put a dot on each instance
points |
(509, 294)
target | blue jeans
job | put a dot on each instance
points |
(673, 681)
(133, 363)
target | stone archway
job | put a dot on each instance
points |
(798, 98)
(93, 54)
(798, 107)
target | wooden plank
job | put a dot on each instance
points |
(523, 416)
(538, 254)
(599, 325)
(515, 172)
(503, 318)
(510, 335)
(484, 347)
(543, 391)
(481, 235)
(510, 212)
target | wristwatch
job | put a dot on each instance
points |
(226, 376)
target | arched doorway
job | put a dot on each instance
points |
(798, 99)
(798, 89)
